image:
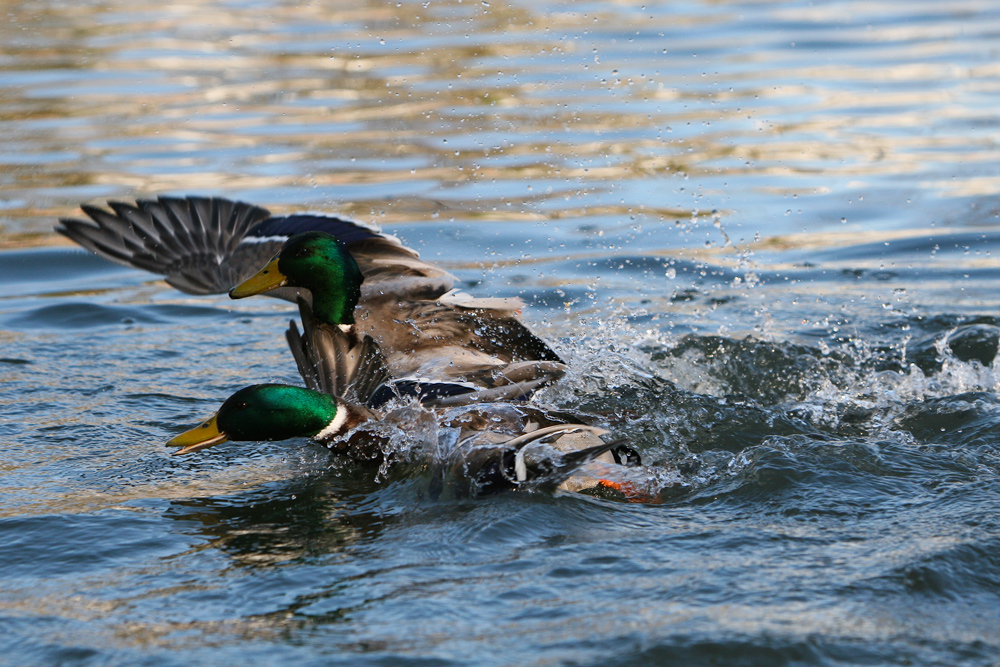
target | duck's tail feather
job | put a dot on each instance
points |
(500, 334)
(569, 464)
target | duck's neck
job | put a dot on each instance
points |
(336, 288)
(335, 306)
(336, 426)
(348, 416)
(360, 446)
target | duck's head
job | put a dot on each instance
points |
(268, 412)
(316, 261)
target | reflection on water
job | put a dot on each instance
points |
(784, 117)
(762, 234)
(304, 519)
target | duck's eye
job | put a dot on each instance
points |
(302, 252)
(242, 405)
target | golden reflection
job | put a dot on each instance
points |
(40, 500)
(323, 96)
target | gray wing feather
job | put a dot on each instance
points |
(333, 362)
(194, 242)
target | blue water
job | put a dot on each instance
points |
(765, 235)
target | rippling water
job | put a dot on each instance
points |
(765, 234)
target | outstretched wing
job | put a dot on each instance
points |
(334, 361)
(205, 245)
(192, 241)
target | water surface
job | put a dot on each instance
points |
(764, 234)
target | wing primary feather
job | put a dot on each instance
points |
(179, 218)
(298, 346)
(156, 212)
(370, 373)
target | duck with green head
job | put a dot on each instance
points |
(316, 261)
(492, 453)
(447, 337)
(350, 276)
(362, 283)
(493, 440)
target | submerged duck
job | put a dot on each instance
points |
(482, 449)
(345, 276)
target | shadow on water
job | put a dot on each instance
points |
(296, 521)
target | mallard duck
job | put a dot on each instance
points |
(344, 275)
(493, 446)
(486, 456)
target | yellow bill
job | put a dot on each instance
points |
(266, 279)
(205, 435)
